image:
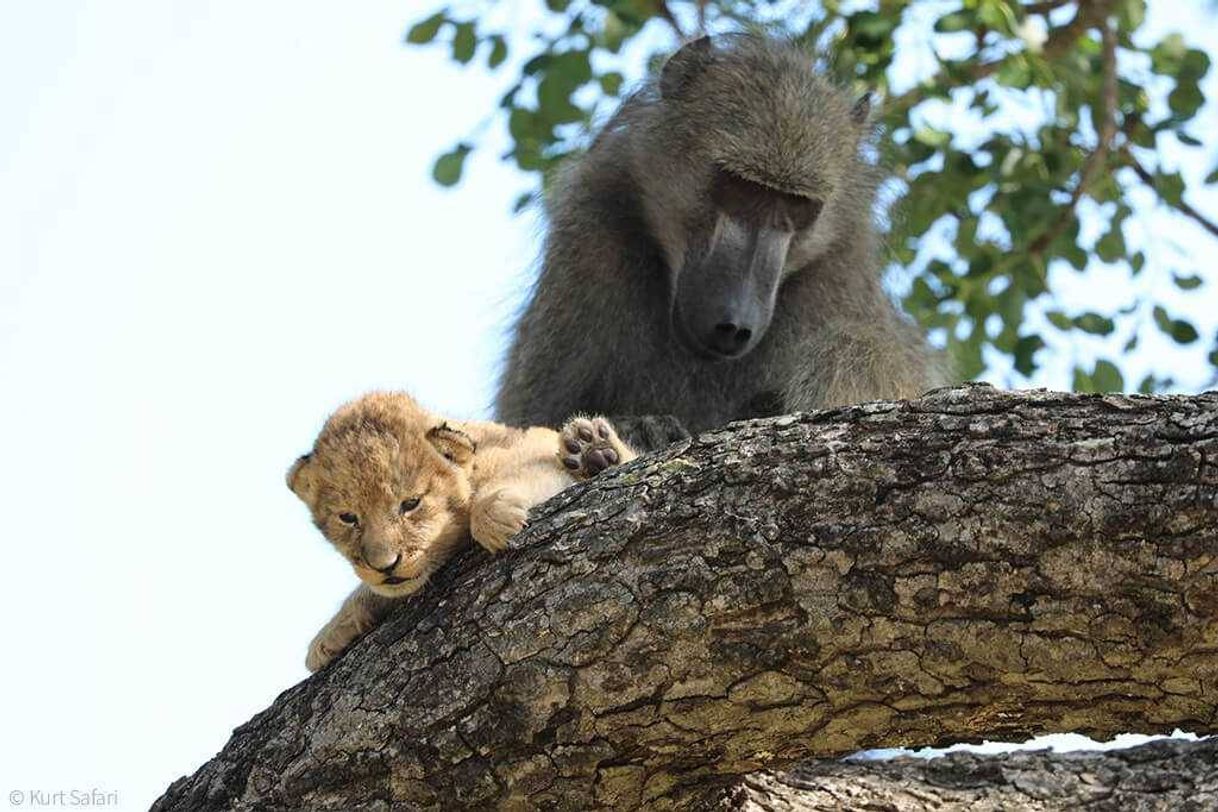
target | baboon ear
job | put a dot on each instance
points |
(684, 65)
(454, 445)
(861, 113)
(298, 476)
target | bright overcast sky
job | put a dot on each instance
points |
(216, 224)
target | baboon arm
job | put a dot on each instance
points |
(855, 362)
(552, 374)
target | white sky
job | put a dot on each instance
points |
(216, 223)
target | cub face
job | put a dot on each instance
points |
(388, 484)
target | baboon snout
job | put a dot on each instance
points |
(726, 325)
(730, 338)
(724, 298)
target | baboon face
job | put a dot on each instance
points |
(725, 289)
(750, 148)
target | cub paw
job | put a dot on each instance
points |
(328, 644)
(496, 518)
(589, 445)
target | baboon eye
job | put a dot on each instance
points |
(801, 212)
(408, 505)
(348, 518)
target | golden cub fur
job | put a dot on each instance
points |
(397, 490)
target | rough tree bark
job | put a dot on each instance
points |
(974, 563)
(1169, 776)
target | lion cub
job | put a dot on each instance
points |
(397, 490)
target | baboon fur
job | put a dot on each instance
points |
(631, 225)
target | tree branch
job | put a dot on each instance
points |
(1159, 775)
(1183, 206)
(1104, 141)
(974, 563)
(1046, 7)
(665, 13)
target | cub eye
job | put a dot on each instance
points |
(348, 518)
(408, 505)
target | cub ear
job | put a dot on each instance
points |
(298, 478)
(683, 66)
(453, 444)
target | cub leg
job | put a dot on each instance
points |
(361, 611)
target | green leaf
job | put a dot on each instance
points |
(1059, 320)
(872, 27)
(1186, 99)
(572, 68)
(1180, 331)
(499, 51)
(1104, 378)
(998, 15)
(1167, 57)
(1025, 350)
(955, 21)
(464, 43)
(1095, 324)
(1137, 262)
(448, 167)
(1212, 177)
(1082, 381)
(1107, 378)
(1170, 187)
(611, 83)
(1196, 64)
(966, 355)
(1131, 14)
(933, 138)
(1075, 255)
(1190, 282)
(1015, 72)
(425, 31)
(1111, 247)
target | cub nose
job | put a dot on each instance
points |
(381, 560)
(730, 338)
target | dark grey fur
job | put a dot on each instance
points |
(598, 334)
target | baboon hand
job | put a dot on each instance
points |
(650, 432)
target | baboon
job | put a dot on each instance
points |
(713, 256)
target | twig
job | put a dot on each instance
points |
(665, 12)
(1046, 7)
(1184, 208)
(1099, 156)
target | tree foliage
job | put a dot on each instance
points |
(1023, 141)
